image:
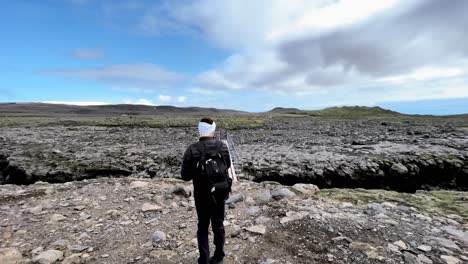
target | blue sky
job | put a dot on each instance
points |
(237, 54)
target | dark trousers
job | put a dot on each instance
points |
(209, 210)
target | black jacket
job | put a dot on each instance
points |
(192, 155)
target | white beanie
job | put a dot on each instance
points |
(205, 129)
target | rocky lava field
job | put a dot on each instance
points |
(105, 191)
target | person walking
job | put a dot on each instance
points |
(206, 162)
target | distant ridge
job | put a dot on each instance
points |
(355, 111)
(285, 110)
(46, 109)
(338, 111)
(39, 109)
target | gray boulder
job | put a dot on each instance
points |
(282, 193)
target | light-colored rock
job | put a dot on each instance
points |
(456, 233)
(77, 248)
(282, 193)
(61, 243)
(393, 247)
(293, 216)
(424, 259)
(73, 259)
(261, 220)
(48, 257)
(36, 210)
(375, 209)
(263, 197)
(10, 256)
(253, 210)
(400, 244)
(235, 231)
(450, 259)
(370, 251)
(147, 207)
(443, 242)
(139, 184)
(423, 217)
(424, 248)
(57, 218)
(305, 189)
(257, 229)
(410, 258)
(399, 168)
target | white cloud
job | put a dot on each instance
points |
(87, 54)
(332, 51)
(387, 50)
(164, 98)
(81, 103)
(182, 99)
(141, 101)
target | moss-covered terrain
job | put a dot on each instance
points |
(432, 202)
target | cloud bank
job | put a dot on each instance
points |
(340, 50)
(137, 77)
(332, 51)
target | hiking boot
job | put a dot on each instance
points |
(214, 260)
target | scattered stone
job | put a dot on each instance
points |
(267, 261)
(342, 238)
(369, 250)
(263, 197)
(424, 259)
(410, 258)
(72, 259)
(10, 256)
(261, 220)
(423, 217)
(257, 229)
(180, 190)
(400, 244)
(77, 248)
(36, 210)
(236, 198)
(158, 237)
(235, 231)
(424, 248)
(282, 193)
(48, 257)
(37, 250)
(443, 242)
(305, 189)
(61, 243)
(139, 184)
(450, 259)
(293, 216)
(57, 218)
(84, 216)
(399, 168)
(147, 207)
(456, 233)
(393, 247)
(375, 209)
(253, 210)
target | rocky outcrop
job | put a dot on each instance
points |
(385, 165)
(353, 154)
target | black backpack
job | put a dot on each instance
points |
(213, 168)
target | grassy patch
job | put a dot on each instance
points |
(433, 202)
